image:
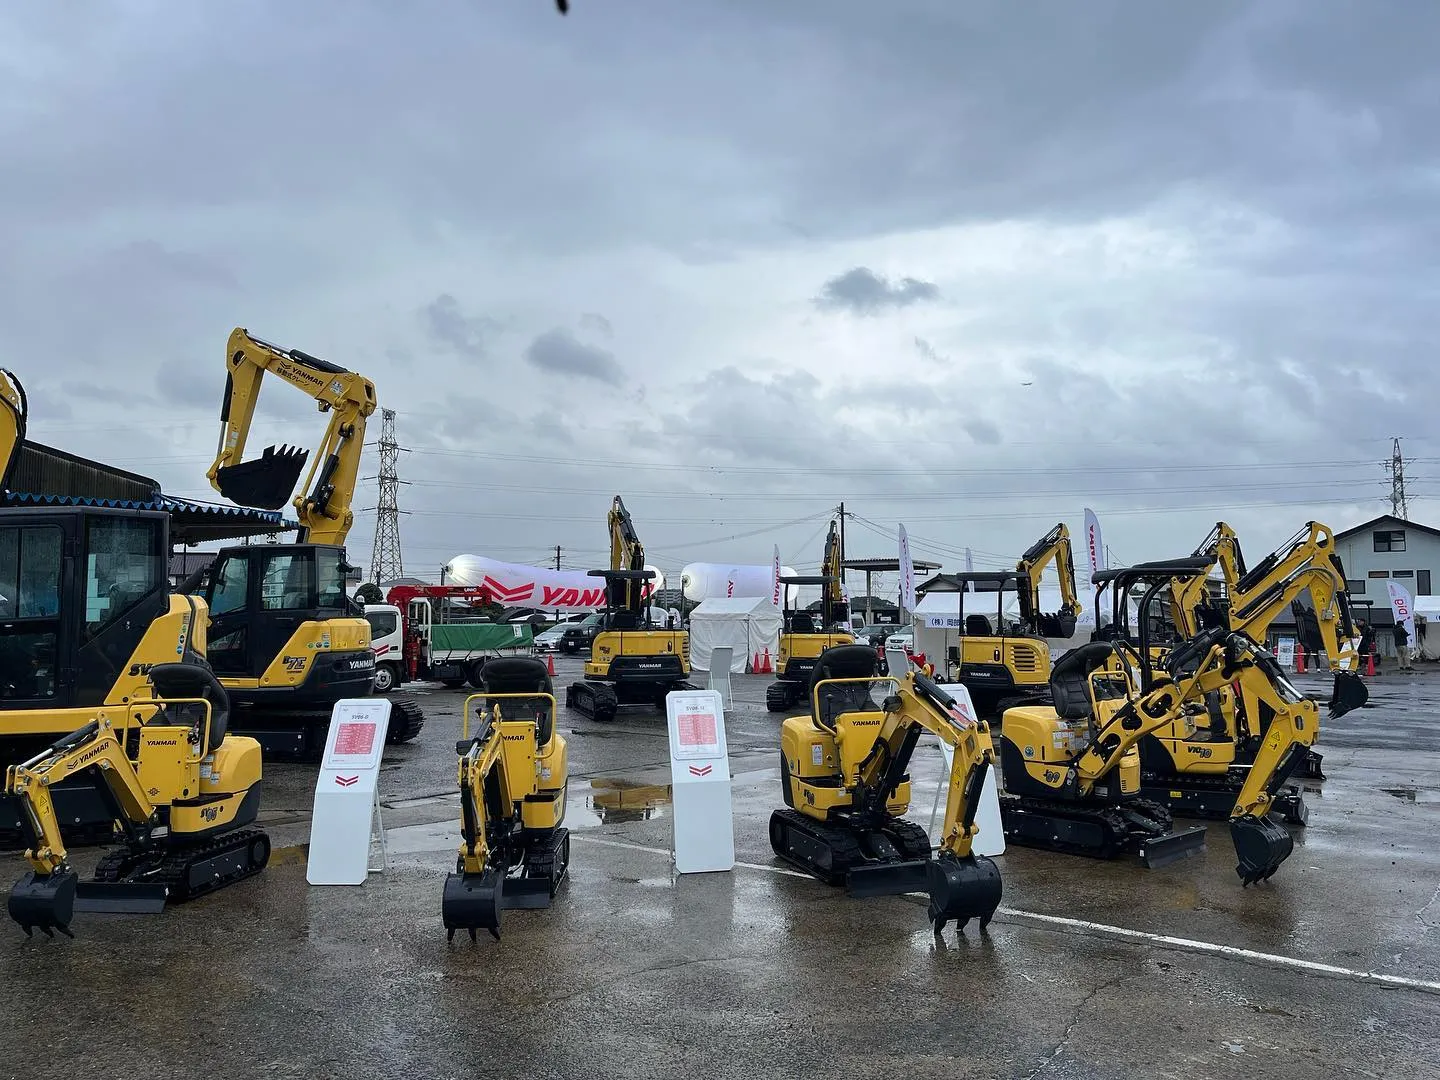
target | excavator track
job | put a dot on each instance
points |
(1213, 798)
(549, 860)
(406, 719)
(781, 695)
(189, 871)
(298, 735)
(594, 701)
(831, 852)
(1098, 832)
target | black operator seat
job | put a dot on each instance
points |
(978, 626)
(192, 681)
(844, 662)
(802, 623)
(1070, 679)
(521, 675)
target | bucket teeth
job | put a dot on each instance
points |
(473, 902)
(963, 889)
(1261, 845)
(265, 482)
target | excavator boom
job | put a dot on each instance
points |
(324, 506)
(1053, 547)
(14, 410)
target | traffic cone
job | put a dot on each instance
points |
(1370, 663)
(765, 660)
(755, 665)
(550, 663)
(1299, 659)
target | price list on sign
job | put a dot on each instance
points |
(355, 740)
(697, 731)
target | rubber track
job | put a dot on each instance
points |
(1107, 817)
(174, 864)
(1222, 785)
(541, 860)
(583, 697)
(844, 848)
(406, 719)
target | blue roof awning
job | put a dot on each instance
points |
(191, 522)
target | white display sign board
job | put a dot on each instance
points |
(721, 657)
(1285, 652)
(990, 840)
(347, 805)
(703, 818)
(898, 662)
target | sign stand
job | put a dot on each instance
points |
(703, 840)
(346, 815)
(990, 840)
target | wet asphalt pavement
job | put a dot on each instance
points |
(761, 971)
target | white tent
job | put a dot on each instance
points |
(748, 624)
(1427, 626)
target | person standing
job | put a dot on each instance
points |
(1367, 639)
(1402, 646)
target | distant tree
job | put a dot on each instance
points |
(370, 593)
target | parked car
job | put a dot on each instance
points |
(549, 640)
(578, 636)
(874, 634)
(901, 639)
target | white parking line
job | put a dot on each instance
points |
(1309, 967)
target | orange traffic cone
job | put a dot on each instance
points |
(755, 665)
(1370, 663)
(1299, 659)
(550, 663)
(765, 660)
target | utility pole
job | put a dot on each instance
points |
(386, 563)
(1398, 507)
(843, 584)
(557, 556)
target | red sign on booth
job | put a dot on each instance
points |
(355, 739)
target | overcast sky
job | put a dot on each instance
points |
(969, 266)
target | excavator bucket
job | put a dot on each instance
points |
(1261, 845)
(266, 482)
(473, 902)
(1349, 692)
(44, 903)
(963, 889)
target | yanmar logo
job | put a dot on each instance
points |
(511, 595)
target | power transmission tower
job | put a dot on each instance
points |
(557, 556)
(1398, 507)
(386, 563)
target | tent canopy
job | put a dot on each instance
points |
(748, 624)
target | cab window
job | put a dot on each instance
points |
(123, 565)
(382, 623)
(230, 591)
(287, 582)
(30, 571)
(330, 575)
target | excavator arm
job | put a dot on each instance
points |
(960, 884)
(323, 507)
(483, 785)
(13, 412)
(1054, 547)
(93, 746)
(626, 553)
(1187, 594)
(836, 610)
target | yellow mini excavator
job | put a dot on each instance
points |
(801, 641)
(183, 801)
(631, 661)
(843, 774)
(1071, 769)
(513, 774)
(285, 639)
(1201, 761)
(1004, 665)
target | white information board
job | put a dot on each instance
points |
(721, 658)
(898, 661)
(347, 806)
(703, 818)
(990, 840)
(1285, 652)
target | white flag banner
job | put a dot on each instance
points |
(1404, 610)
(907, 573)
(969, 569)
(775, 579)
(1094, 543)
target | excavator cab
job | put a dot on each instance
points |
(513, 774)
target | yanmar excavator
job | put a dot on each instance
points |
(801, 641)
(631, 661)
(514, 770)
(183, 802)
(999, 667)
(285, 639)
(844, 777)
(1200, 773)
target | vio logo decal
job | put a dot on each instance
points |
(1200, 751)
(210, 813)
(294, 664)
(1051, 776)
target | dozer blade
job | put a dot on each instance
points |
(267, 481)
(1261, 845)
(963, 889)
(887, 878)
(44, 903)
(472, 902)
(1349, 692)
(527, 894)
(121, 897)
(1172, 847)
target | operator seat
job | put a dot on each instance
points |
(978, 626)
(521, 675)
(192, 681)
(844, 662)
(1070, 680)
(802, 623)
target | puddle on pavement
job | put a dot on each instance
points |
(1410, 793)
(607, 800)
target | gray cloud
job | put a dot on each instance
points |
(559, 352)
(447, 325)
(982, 431)
(928, 351)
(593, 321)
(861, 291)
